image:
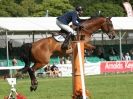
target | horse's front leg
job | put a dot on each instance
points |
(89, 47)
(34, 82)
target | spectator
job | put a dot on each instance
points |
(112, 51)
(55, 71)
(68, 60)
(62, 60)
(122, 56)
(100, 52)
(131, 54)
(48, 71)
(14, 62)
(127, 57)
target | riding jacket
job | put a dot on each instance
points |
(70, 17)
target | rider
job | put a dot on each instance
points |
(64, 20)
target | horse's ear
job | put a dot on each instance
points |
(109, 18)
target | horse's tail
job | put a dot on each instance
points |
(25, 54)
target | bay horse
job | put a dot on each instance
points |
(39, 52)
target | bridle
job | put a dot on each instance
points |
(108, 23)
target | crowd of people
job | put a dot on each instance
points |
(52, 71)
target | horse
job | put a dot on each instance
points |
(39, 52)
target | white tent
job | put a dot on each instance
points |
(122, 23)
(29, 23)
(49, 23)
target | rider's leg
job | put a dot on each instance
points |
(65, 27)
(70, 33)
(65, 43)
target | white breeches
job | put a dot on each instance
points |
(65, 27)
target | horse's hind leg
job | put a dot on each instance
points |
(34, 82)
(31, 72)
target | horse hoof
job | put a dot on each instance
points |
(31, 88)
(35, 88)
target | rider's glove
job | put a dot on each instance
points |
(81, 26)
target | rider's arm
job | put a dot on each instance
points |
(81, 20)
(75, 19)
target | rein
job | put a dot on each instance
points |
(108, 23)
(84, 29)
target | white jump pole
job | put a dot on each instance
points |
(81, 70)
(79, 91)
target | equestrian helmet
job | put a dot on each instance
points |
(79, 8)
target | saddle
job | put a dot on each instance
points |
(59, 36)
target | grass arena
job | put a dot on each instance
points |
(109, 86)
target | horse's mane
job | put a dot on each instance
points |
(92, 18)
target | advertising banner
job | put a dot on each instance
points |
(128, 9)
(116, 66)
(90, 69)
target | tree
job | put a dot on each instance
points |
(9, 8)
(107, 9)
(55, 7)
(20, 8)
(30, 7)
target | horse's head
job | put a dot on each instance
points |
(93, 24)
(108, 28)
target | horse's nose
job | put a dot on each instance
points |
(113, 34)
(110, 36)
(113, 37)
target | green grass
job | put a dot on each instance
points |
(111, 86)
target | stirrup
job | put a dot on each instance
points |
(64, 46)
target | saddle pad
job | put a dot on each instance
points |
(59, 38)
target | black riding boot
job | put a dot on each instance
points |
(65, 43)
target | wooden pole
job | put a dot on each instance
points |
(79, 91)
